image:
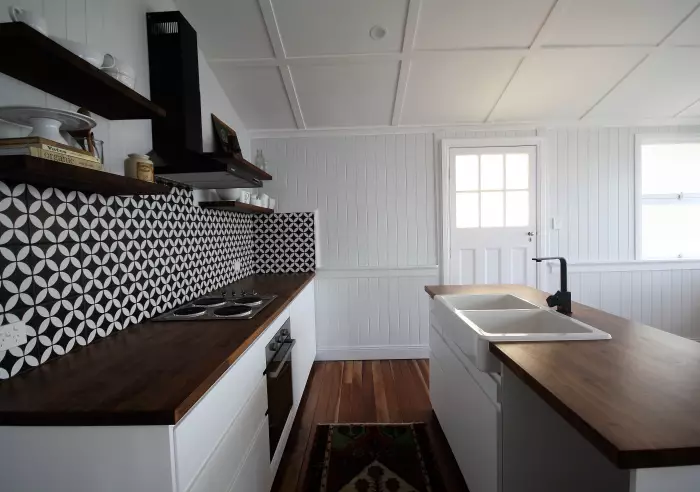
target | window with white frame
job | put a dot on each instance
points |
(668, 205)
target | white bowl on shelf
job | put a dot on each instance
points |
(230, 194)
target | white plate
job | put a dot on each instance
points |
(51, 124)
(24, 115)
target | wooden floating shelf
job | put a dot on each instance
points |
(242, 164)
(234, 206)
(35, 59)
(51, 174)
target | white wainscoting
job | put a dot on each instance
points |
(373, 313)
(662, 294)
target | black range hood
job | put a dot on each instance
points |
(177, 154)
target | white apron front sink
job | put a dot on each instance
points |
(473, 329)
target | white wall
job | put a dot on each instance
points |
(378, 206)
(117, 27)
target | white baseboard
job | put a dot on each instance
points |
(374, 352)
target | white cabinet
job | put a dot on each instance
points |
(303, 328)
(468, 415)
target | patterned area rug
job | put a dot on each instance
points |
(372, 458)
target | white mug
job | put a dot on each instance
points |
(245, 196)
(33, 20)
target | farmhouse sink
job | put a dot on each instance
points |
(473, 321)
(528, 325)
(481, 302)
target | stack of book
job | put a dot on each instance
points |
(50, 150)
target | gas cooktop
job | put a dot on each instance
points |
(218, 306)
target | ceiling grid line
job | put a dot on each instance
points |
(409, 38)
(615, 86)
(268, 12)
(535, 44)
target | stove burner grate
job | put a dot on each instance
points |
(210, 301)
(233, 311)
(190, 311)
(248, 300)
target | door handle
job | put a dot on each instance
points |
(530, 234)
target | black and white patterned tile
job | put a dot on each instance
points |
(285, 243)
(79, 267)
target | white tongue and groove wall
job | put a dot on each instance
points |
(379, 228)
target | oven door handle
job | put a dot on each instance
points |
(283, 362)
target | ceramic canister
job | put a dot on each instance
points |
(139, 166)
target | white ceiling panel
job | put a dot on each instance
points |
(258, 95)
(614, 22)
(561, 84)
(688, 34)
(332, 27)
(456, 87)
(662, 86)
(226, 29)
(453, 24)
(348, 94)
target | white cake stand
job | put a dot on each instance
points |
(46, 122)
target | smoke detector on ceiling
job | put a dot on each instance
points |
(377, 32)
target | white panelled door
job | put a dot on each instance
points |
(492, 215)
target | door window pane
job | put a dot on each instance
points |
(517, 171)
(517, 208)
(467, 172)
(492, 172)
(492, 209)
(467, 210)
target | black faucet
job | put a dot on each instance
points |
(562, 299)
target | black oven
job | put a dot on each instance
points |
(278, 370)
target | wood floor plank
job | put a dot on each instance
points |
(345, 406)
(390, 391)
(332, 388)
(369, 391)
(409, 410)
(357, 412)
(369, 407)
(422, 365)
(380, 393)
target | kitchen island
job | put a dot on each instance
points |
(618, 414)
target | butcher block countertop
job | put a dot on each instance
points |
(635, 397)
(148, 374)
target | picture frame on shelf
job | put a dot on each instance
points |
(226, 137)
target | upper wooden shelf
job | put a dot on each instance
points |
(234, 206)
(33, 58)
(242, 164)
(42, 172)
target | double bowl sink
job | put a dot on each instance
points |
(472, 322)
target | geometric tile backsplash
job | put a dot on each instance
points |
(77, 267)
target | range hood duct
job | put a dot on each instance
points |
(173, 60)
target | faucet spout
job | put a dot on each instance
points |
(562, 299)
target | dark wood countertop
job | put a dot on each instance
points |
(148, 374)
(635, 397)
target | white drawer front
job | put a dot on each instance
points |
(199, 432)
(226, 462)
(255, 474)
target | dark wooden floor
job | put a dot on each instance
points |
(363, 392)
